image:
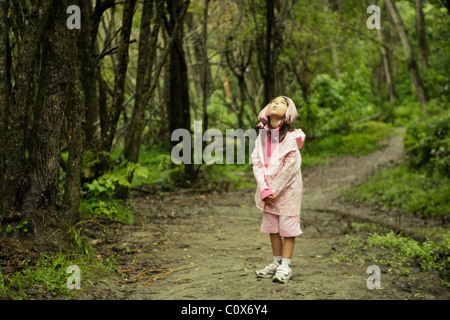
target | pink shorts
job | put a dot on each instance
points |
(286, 226)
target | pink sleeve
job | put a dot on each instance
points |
(299, 135)
(291, 165)
(265, 193)
(258, 168)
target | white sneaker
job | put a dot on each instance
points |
(268, 272)
(282, 275)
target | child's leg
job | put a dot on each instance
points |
(288, 247)
(277, 244)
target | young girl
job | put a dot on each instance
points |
(276, 165)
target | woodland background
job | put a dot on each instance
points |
(86, 115)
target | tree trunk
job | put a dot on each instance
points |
(75, 115)
(87, 52)
(42, 174)
(178, 104)
(387, 67)
(206, 75)
(423, 48)
(269, 77)
(146, 81)
(409, 55)
(120, 75)
(4, 93)
(16, 115)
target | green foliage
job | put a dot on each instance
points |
(98, 198)
(363, 138)
(410, 191)
(403, 252)
(161, 171)
(400, 254)
(48, 275)
(228, 177)
(427, 144)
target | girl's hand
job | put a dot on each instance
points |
(270, 199)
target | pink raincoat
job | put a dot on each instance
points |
(282, 176)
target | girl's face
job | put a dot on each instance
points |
(277, 108)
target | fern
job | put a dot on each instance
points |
(98, 196)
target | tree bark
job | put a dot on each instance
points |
(75, 115)
(42, 174)
(87, 52)
(16, 115)
(178, 103)
(4, 94)
(409, 55)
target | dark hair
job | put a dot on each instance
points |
(283, 130)
(284, 127)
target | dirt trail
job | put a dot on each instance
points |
(207, 246)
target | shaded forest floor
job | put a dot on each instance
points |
(207, 245)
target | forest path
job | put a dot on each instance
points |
(208, 246)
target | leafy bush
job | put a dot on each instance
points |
(411, 191)
(427, 144)
(228, 177)
(98, 197)
(48, 275)
(430, 255)
(363, 138)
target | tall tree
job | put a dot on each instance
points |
(120, 76)
(18, 107)
(40, 185)
(75, 118)
(145, 79)
(90, 61)
(386, 64)
(409, 55)
(238, 60)
(4, 92)
(178, 98)
(421, 35)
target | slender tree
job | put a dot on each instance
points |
(421, 35)
(120, 75)
(145, 80)
(409, 55)
(178, 98)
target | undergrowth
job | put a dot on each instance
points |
(49, 276)
(401, 255)
(363, 139)
(411, 191)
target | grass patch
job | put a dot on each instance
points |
(47, 277)
(363, 139)
(409, 190)
(228, 177)
(401, 255)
